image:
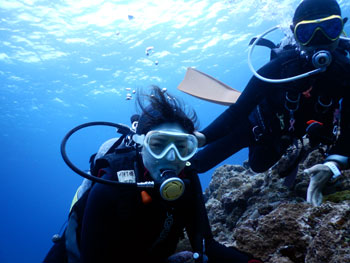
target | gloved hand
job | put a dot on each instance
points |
(219, 253)
(200, 137)
(181, 257)
(317, 133)
(313, 132)
(320, 174)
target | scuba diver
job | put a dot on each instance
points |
(141, 193)
(303, 90)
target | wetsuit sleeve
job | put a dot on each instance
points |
(199, 229)
(248, 100)
(218, 253)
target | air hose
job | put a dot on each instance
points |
(121, 128)
(321, 60)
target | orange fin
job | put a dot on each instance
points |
(203, 86)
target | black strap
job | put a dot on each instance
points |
(168, 223)
(116, 144)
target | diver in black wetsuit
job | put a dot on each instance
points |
(125, 224)
(269, 114)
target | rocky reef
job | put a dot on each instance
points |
(259, 214)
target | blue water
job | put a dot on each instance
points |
(63, 63)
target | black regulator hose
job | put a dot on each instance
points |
(123, 129)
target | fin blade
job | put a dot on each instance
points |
(203, 86)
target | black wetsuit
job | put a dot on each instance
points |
(116, 226)
(268, 116)
(119, 227)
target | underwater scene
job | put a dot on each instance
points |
(64, 63)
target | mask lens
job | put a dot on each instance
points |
(186, 146)
(181, 145)
(332, 28)
(304, 32)
(157, 143)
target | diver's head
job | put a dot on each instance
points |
(317, 25)
(167, 147)
(165, 132)
(160, 107)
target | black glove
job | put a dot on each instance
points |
(317, 133)
(218, 253)
(181, 257)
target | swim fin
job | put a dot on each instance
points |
(203, 86)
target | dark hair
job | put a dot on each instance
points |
(312, 9)
(162, 108)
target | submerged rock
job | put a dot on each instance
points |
(259, 215)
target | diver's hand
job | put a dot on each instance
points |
(320, 174)
(181, 257)
(200, 137)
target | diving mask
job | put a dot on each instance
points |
(159, 143)
(331, 27)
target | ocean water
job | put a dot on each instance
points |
(64, 63)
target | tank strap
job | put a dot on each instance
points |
(168, 223)
(116, 144)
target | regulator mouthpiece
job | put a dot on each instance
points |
(172, 187)
(322, 59)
